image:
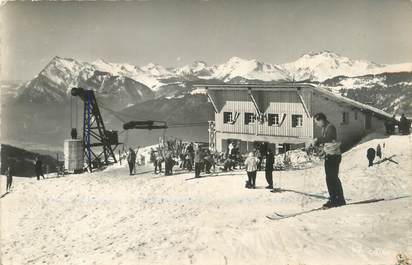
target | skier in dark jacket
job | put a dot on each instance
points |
(189, 156)
(404, 125)
(208, 161)
(370, 154)
(199, 159)
(38, 168)
(169, 163)
(333, 158)
(270, 160)
(9, 179)
(131, 160)
(158, 161)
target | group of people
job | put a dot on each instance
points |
(158, 157)
(187, 157)
(371, 153)
(231, 158)
(403, 124)
(252, 163)
(203, 160)
(332, 155)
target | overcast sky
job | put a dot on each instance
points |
(175, 33)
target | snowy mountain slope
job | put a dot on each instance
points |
(122, 85)
(146, 75)
(249, 69)
(61, 74)
(323, 65)
(391, 92)
(152, 219)
(54, 82)
(156, 70)
(197, 68)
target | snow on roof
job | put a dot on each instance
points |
(352, 102)
(291, 85)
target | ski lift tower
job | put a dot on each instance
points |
(98, 143)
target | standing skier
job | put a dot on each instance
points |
(131, 159)
(158, 161)
(190, 156)
(404, 125)
(38, 168)
(333, 158)
(199, 159)
(370, 154)
(9, 179)
(270, 160)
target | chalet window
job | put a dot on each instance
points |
(356, 115)
(249, 118)
(273, 119)
(297, 120)
(345, 117)
(227, 117)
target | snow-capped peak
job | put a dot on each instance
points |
(63, 63)
(249, 69)
(148, 76)
(156, 70)
(196, 68)
(323, 65)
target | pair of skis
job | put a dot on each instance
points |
(278, 216)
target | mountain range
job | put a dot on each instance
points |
(131, 84)
(153, 91)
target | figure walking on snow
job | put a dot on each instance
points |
(9, 179)
(38, 168)
(333, 158)
(370, 154)
(131, 160)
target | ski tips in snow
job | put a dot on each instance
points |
(279, 216)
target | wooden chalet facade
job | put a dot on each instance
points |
(280, 116)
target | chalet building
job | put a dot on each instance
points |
(280, 116)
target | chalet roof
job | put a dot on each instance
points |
(325, 91)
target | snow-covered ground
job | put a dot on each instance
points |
(110, 217)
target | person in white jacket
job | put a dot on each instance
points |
(251, 164)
